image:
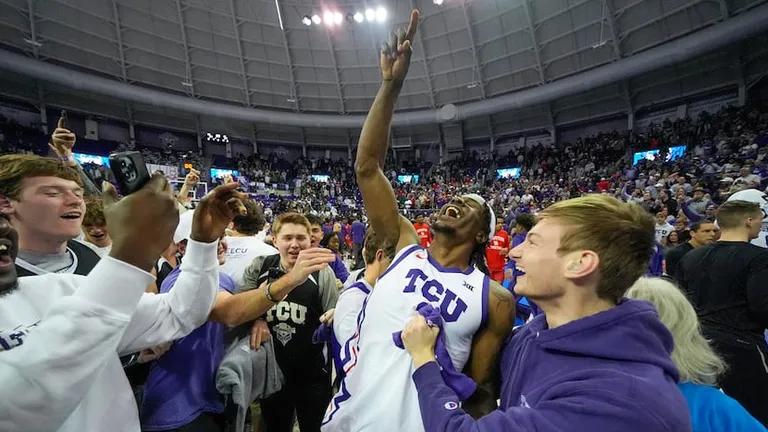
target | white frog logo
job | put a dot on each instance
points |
(284, 332)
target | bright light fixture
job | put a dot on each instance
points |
(316, 19)
(306, 20)
(370, 14)
(381, 14)
(358, 17)
(328, 18)
(338, 18)
(437, 2)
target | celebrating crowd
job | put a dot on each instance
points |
(593, 292)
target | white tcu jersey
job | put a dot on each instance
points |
(377, 393)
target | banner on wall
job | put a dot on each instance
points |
(170, 172)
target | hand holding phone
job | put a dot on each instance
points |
(129, 170)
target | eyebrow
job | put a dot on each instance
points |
(75, 189)
(531, 234)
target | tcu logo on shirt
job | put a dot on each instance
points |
(285, 311)
(451, 306)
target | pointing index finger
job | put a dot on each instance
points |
(413, 25)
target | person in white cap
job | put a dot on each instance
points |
(447, 280)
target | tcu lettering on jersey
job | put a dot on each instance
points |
(287, 311)
(451, 306)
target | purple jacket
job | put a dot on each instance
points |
(607, 372)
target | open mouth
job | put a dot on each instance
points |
(5, 255)
(74, 215)
(520, 271)
(453, 211)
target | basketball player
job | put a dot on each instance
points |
(377, 393)
(761, 199)
(423, 231)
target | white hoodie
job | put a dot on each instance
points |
(61, 336)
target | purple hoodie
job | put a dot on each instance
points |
(607, 372)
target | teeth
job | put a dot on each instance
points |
(3, 248)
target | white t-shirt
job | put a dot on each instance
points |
(240, 253)
(662, 231)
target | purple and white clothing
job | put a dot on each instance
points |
(373, 362)
(182, 383)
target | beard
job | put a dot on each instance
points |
(441, 228)
(9, 288)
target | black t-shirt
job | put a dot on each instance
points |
(85, 256)
(292, 323)
(727, 283)
(673, 256)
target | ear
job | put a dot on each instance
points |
(481, 237)
(6, 205)
(581, 264)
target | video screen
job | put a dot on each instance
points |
(323, 178)
(645, 155)
(673, 153)
(408, 178)
(84, 158)
(676, 152)
(508, 172)
(221, 172)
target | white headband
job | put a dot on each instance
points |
(480, 200)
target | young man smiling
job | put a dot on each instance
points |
(594, 361)
(43, 200)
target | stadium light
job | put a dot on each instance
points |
(316, 19)
(438, 2)
(358, 17)
(370, 14)
(338, 18)
(381, 14)
(328, 18)
(306, 20)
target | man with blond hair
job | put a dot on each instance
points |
(594, 360)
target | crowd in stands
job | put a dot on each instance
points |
(593, 292)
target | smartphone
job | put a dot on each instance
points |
(64, 119)
(129, 170)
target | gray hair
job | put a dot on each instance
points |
(695, 359)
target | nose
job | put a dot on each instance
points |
(74, 199)
(516, 252)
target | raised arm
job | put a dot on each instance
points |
(378, 196)
(62, 143)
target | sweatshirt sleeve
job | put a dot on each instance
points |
(328, 291)
(165, 317)
(46, 377)
(579, 408)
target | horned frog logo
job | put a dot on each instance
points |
(284, 332)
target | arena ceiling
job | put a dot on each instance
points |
(235, 52)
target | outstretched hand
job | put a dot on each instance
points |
(396, 53)
(215, 211)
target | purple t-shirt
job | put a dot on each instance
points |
(182, 383)
(358, 232)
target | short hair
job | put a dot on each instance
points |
(526, 220)
(290, 218)
(14, 168)
(731, 214)
(695, 359)
(373, 243)
(314, 219)
(252, 221)
(94, 213)
(696, 226)
(621, 234)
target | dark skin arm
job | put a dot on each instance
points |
(378, 197)
(482, 365)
